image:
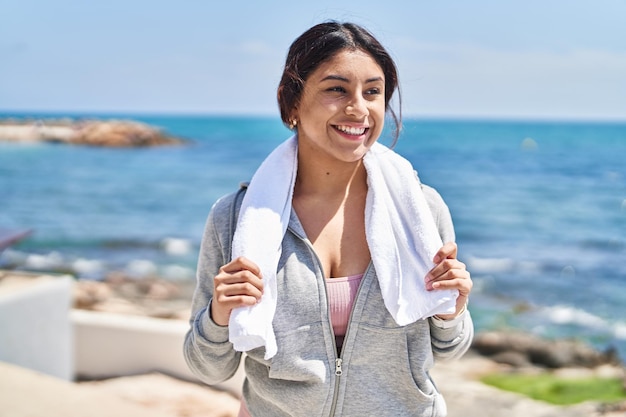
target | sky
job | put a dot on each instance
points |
(533, 59)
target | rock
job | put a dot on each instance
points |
(515, 359)
(564, 353)
(162, 291)
(89, 293)
(121, 134)
(123, 294)
(109, 133)
(613, 409)
(521, 348)
(491, 343)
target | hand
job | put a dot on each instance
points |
(238, 284)
(450, 273)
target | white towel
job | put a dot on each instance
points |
(402, 258)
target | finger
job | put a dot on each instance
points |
(240, 289)
(235, 300)
(239, 277)
(447, 251)
(242, 263)
(461, 284)
(451, 274)
(443, 267)
(454, 280)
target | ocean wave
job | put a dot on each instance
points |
(53, 262)
(38, 262)
(571, 315)
(620, 330)
(143, 268)
(565, 315)
(140, 268)
(91, 268)
(500, 265)
(483, 265)
(176, 246)
(177, 272)
(88, 268)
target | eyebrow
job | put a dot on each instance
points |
(344, 79)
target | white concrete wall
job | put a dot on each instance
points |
(35, 330)
(109, 344)
(40, 331)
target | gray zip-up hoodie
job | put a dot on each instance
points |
(382, 369)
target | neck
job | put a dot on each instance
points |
(329, 179)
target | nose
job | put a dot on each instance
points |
(357, 106)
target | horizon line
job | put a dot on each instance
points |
(8, 113)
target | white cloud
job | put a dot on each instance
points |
(465, 79)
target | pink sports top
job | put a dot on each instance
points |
(341, 294)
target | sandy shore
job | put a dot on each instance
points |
(163, 395)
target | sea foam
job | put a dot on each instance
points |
(140, 268)
(500, 265)
(176, 246)
(570, 315)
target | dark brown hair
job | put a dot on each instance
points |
(321, 43)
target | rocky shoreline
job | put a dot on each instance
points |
(86, 132)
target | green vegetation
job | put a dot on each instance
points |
(561, 391)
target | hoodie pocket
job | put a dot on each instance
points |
(301, 355)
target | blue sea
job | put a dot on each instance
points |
(539, 209)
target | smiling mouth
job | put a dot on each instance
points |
(352, 131)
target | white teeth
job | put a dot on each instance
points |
(351, 130)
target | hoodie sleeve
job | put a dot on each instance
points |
(450, 339)
(208, 353)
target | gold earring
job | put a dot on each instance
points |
(293, 123)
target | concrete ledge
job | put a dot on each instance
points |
(41, 332)
(108, 345)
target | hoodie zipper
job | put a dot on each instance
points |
(338, 370)
(338, 358)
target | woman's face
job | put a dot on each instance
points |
(342, 109)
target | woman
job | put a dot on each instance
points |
(343, 319)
